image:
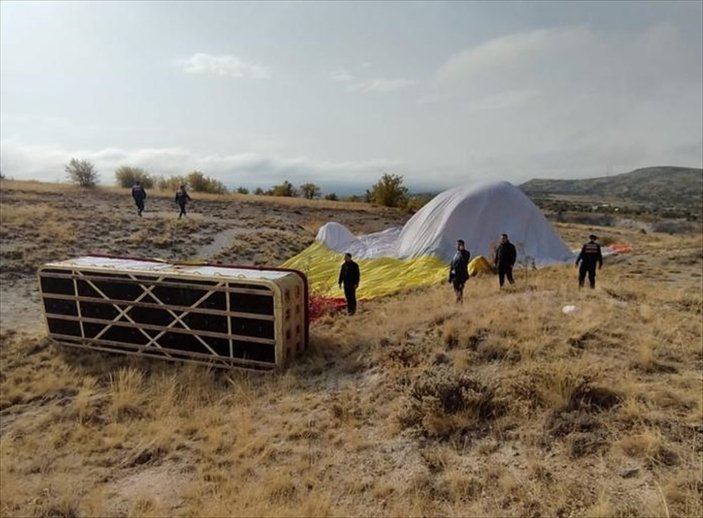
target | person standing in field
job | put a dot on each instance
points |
(505, 260)
(459, 270)
(139, 195)
(349, 276)
(182, 200)
(589, 256)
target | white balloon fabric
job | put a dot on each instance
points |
(336, 236)
(478, 214)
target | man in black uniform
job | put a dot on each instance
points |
(589, 256)
(349, 275)
(182, 200)
(505, 260)
(459, 270)
(139, 195)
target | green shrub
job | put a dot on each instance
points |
(127, 175)
(198, 182)
(172, 183)
(389, 191)
(309, 191)
(284, 189)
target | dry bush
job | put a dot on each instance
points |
(650, 446)
(442, 402)
(127, 394)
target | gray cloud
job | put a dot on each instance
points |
(574, 57)
(575, 102)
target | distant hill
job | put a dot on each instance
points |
(653, 187)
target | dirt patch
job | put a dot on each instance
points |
(160, 486)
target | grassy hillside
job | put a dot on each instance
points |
(503, 406)
(660, 187)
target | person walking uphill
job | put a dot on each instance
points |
(139, 195)
(505, 260)
(459, 270)
(590, 256)
(349, 276)
(182, 200)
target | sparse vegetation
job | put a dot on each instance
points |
(126, 176)
(309, 191)
(172, 183)
(668, 192)
(389, 191)
(198, 182)
(285, 189)
(82, 173)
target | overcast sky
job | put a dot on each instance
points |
(339, 93)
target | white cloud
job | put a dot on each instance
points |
(47, 163)
(341, 74)
(355, 84)
(380, 85)
(223, 65)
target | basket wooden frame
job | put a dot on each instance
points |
(283, 330)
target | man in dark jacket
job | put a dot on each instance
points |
(459, 270)
(590, 256)
(182, 200)
(349, 276)
(139, 195)
(505, 260)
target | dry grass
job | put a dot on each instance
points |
(502, 406)
(36, 187)
(45, 222)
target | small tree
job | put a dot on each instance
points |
(82, 172)
(309, 191)
(126, 176)
(389, 191)
(259, 191)
(284, 189)
(242, 190)
(331, 196)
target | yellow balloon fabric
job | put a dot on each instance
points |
(379, 277)
(479, 264)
